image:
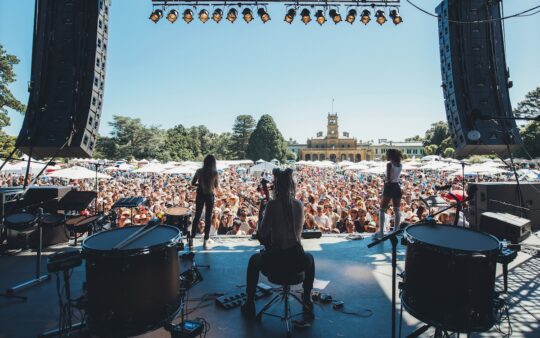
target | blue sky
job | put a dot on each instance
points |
(385, 80)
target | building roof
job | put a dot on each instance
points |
(399, 144)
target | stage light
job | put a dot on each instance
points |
(204, 16)
(248, 15)
(172, 16)
(217, 15)
(381, 18)
(232, 15)
(320, 17)
(289, 17)
(365, 18)
(156, 15)
(188, 15)
(305, 16)
(263, 14)
(351, 16)
(336, 17)
(396, 18)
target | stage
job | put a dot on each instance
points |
(359, 276)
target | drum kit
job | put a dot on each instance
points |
(449, 278)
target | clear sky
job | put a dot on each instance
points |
(385, 80)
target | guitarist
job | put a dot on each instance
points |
(280, 232)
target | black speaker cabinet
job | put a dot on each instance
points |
(475, 79)
(505, 226)
(68, 76)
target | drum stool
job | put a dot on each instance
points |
(284, 293)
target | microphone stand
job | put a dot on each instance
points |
(393, 239)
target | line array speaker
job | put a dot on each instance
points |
(475, 79)
(68, 76)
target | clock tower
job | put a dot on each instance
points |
(333, 131)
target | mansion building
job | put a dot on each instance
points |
(335, 147)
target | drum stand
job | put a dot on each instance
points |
(393, 239)
(39, 278)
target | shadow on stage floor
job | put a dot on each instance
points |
(359, 276)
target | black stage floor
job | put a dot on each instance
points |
(359, 276)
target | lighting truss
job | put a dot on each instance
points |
(320, 10)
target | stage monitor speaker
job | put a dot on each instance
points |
(68, 76)
(505, 226)
(46, 197)
(475, 79)
(504, 197)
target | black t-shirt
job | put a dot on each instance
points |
(359, 226)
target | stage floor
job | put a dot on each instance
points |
(359, 276)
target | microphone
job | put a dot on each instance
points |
(443, 187)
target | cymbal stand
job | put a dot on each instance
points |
(393, 239)
(38, 278)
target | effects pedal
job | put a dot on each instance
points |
(187, 329)
(236, 299)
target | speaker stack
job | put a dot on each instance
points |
(475, 78)
(68, 75)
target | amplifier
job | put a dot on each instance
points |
(505, 226)
(504, 197)
(47, 196)
(309, 234)
(9, 197)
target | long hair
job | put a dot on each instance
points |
(394, 155)
(285, 191)
(209, 172)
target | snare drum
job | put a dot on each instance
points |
(178, 216)
(19, 228)
(450, 277)
(133, 289)
(81, 224)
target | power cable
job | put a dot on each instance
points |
(519, 14)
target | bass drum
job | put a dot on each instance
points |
(134, 289)
(450, 277)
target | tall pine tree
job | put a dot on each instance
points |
(266, 141)
(242, 129)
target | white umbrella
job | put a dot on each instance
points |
(125, 167)
(260, 161)
(111, 168)
(77, 173)
(180, 170)
(264, 166)
(375, 170)
(356, 166)
(153, 168)
(12, 168)
(434, 165)
(430, 158)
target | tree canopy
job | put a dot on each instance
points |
(266, 141)
(242, 128)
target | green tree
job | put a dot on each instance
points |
(7, 144)
(177, 144)
(436, 134)
(430, 149)
(266, 141)
(133, 139)
(242, 128)
(530, 106)
(416, 138)
(221, 146)
(106, 148)
(530, 134)
(7, 76)
(449, 152)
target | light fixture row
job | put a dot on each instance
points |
(305, 15)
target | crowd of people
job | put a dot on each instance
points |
(335, 201)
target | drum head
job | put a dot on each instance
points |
(177, 211)
(22, 218)
(53, 219)
(106, 240)
(451, 237)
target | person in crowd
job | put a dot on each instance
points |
(322, 222)
(280, 231)
(206, 180)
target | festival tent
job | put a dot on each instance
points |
(345, 163)
(125, 167)
(375, 170)
(154, 161)
(430, 158)
(111, 168)
(433, 165)
(180, 170)
(153, 168)
(264, 166)
(260, 161)
(356, 166)
(12, 168)
(77, 173)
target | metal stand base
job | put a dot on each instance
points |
(28, 284)
(60, 332)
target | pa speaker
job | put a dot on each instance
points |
(68, 75)
(475, 79)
